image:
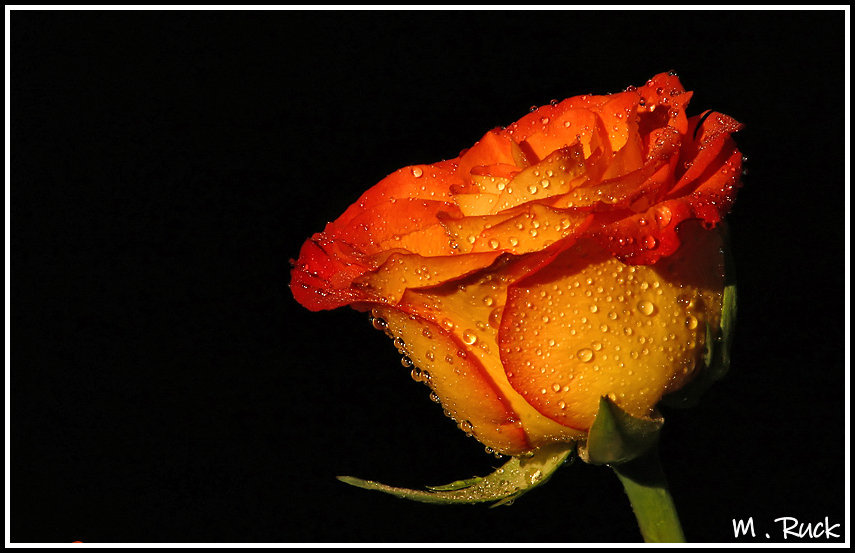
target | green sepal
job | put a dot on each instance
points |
(516, 477)
(717, 343)
(456, 485)
(616, 436)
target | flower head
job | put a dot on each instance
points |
(569, 256)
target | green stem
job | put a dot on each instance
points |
(644, 483)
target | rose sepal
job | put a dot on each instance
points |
(517, 476)
(616, 436)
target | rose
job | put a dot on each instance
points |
(569, 256)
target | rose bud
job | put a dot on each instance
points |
(570, 256)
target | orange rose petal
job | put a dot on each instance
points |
(493, 148)
(664, 103)
(618, 115)
(712, 125)
(663, 143)
(467, 393)
(417, 182)
(533, 230)
(321, 279)
(627, 159)
(555, 175)
(661, 89)
(470, 312)
(492, 179)
(621, 192)
(521, 158)
(705, 149)
(465, 232)
(678, 120)
(476, 204)
(395, 217)
(525, 229)
(714, 197)
(586, 326)
(429, 241)
(565, 125)
(546, 128)
(401, 271)
(697, 166)
(643, 238)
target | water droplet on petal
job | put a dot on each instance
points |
(649, 242)
(646, 308)
(379, 324)
(663, 215)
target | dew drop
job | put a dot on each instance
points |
(417, 172)
(469, 337)
(646, 308)
(495, 317)
(663, 215)
(649, 242)
(494, 243)
(379, 324)
(691, 322)
(585, 355)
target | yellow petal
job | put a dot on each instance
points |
(588, 325)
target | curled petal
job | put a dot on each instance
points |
(468, 394)
(417, 182)
(374, 230)
(557, 174)
(401, 271)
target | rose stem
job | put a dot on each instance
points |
(645, 484)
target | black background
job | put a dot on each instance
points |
(165, 167)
